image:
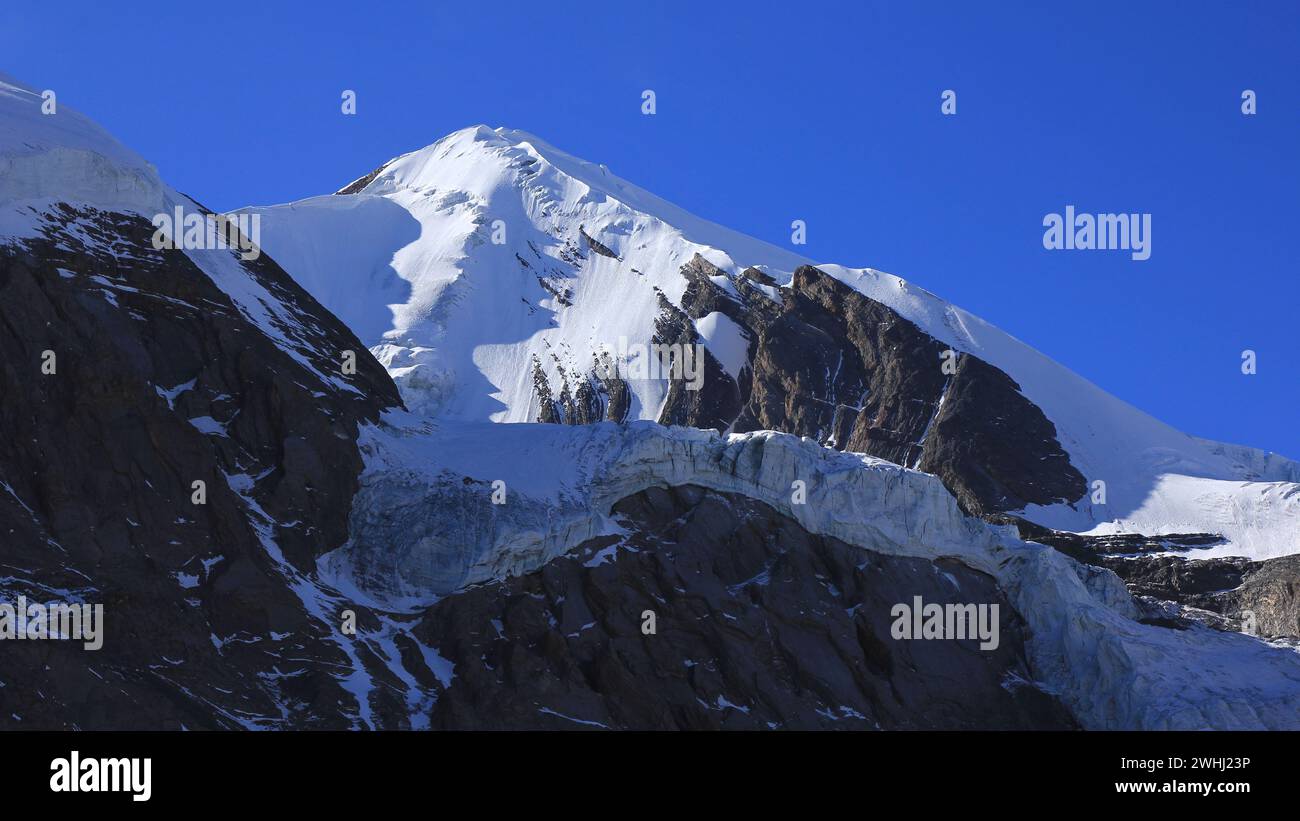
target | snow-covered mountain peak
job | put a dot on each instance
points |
(483, 162)
(491, 267)
(491, 248)
(470, 159)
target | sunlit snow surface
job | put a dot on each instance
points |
(411, 265)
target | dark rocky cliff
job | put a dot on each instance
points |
(160, 381)
(830, 364)
(759, 624)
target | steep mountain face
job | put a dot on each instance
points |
(1262, 598)
(835, 366)
(498, 278)
(129, 374)
(278, 542)
(426, 532)
(759, 625)
(528, 286)
(1233, 593)
(160, 382)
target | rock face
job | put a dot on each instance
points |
(758, 624)
(1229, 593)
(1271, 591)
(1093, 548)
(194, 443)
(1086, 639)
(127, 376)
(597, 396)
(1262, 598)
(828, 363)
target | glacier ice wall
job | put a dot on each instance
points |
(424, 526)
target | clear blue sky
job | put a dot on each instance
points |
(769, 112)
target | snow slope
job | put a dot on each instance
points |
(52, 160)
(411, 264)
(462, 316)
(64, 157)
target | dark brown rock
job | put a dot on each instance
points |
(830, 364)
(759, 624)
(201, 627)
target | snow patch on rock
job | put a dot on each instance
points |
(725, 340)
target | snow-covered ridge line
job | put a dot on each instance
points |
(463, 263)
(423, 525)
(51, 154)
(417, 170)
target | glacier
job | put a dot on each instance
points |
(434, 261)
(407, 259)
(424, 526)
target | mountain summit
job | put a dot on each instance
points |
(491, 272)
(284, 531)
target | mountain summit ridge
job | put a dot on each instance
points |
(487, 269)
(284, 546)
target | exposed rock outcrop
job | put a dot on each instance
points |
(129, 375)
(1262, 598)
(1229, 593)
(833, 365)
(758, 624)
